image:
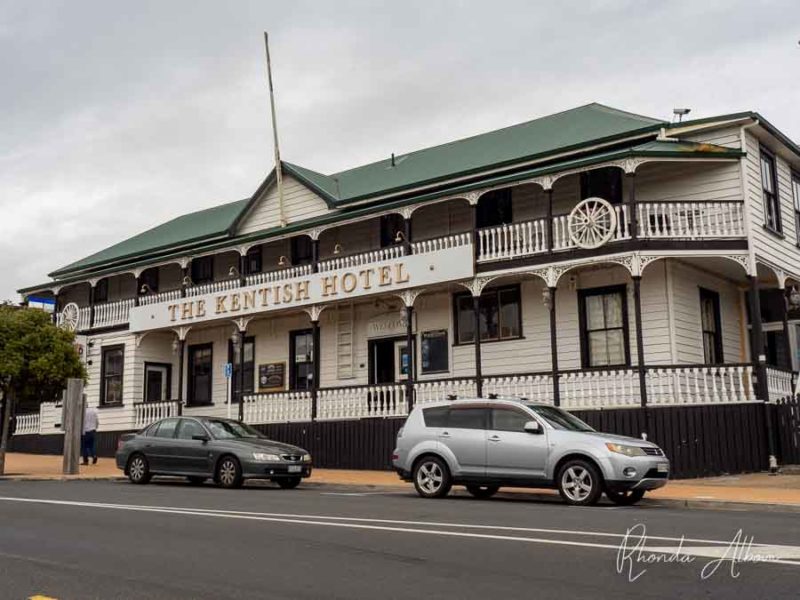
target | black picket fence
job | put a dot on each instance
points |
(700, 441)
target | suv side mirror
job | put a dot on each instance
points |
(533, 427)
(201, 437)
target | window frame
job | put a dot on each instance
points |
(621, 289)
(99, 296)
(713, 296)
(250, 339)
(293, 335)
(294, 250)
(504, 195)
(104, 352)
(200, 264)
(795, 180)
(190, 383)
(424, 336)
(254, 261)
(586, 184)
(772, 160)
(496, 291)
(390, 224)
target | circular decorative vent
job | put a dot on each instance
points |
(592, 223)
(69, 316)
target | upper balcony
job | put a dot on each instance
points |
(599, 211)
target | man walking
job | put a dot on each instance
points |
(88, 444)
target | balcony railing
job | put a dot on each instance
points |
(213, 287)
(691, 220)
(150, 412)
(278, 275)
(362, 401)
(361, 258)
(111, 314)
(781, 383)
(279, 407)
(441, 243)
(169, 296)
(28, 424)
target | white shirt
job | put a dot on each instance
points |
(90, 419)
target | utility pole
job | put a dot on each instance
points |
(73, 426)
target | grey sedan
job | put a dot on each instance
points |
(200, 448)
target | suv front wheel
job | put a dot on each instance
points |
(432, 477)
(579, 483)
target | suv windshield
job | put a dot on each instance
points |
(560, 419)
(225, 430)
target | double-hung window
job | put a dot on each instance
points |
(603, 314)
(113, 361)
(711, 326)
(499, 315)
(769, 189)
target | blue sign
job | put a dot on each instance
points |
(228, 370)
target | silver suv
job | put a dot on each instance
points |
(484, 444)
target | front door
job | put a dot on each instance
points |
(156, 382)
(512, 452)
(465, 437)
(382, 369)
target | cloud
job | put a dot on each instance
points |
(116, 119)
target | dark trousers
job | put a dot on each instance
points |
(88, 446)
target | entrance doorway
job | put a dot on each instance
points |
(388, 360)
(157, 382)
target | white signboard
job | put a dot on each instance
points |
(342, 284)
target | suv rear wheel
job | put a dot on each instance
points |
(432, 477)
(579, 483)
(482, 491)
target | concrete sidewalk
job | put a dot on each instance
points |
(734, 491)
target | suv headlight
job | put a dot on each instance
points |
(264, 457)
(306, 458)
(626, 450)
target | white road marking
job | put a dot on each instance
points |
(369, 524)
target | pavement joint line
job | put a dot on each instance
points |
(460, 534)
(299, 518)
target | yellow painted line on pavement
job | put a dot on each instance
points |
(40, 597)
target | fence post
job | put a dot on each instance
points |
(73, 426)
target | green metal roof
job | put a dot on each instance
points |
(562, 132)
(193, 227)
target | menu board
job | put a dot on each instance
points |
(272, 377)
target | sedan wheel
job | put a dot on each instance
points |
(138, 469)
(579, 483)
(432, 478)
(229, 473)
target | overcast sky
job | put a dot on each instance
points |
(118, 116)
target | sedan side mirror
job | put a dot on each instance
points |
(533, 427)
(201, 437)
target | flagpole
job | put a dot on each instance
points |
(278, 169)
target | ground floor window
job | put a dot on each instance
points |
(200, 374)
(249, 367)
(711, 326)
(603, 315)
(434, 351)
(499, 313)
(113, 361)
(157, 382)
(301, 359)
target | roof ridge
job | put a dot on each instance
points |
(501, 129)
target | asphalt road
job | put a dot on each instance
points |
(169, 540)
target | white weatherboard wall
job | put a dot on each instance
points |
(779, 251)
(299, 204)
(117, 417)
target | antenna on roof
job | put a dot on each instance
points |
(678, 113)
(392, 158)
(278, 169)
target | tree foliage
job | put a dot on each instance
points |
(36, 357)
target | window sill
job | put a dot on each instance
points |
(110, 405)
(774, 232)
(198, 404)
(509, 339)
(424, 373)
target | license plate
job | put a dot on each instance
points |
(663, 468)
(295, 468)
